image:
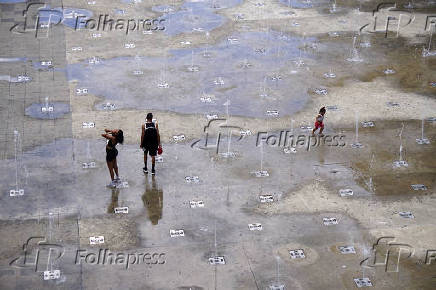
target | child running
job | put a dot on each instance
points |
(319, 122)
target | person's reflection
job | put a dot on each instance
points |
(114, 200)
(153, 201)
(322, 151)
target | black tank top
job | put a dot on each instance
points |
(150, 135)
(148, 125)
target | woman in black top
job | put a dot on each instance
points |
(114, 137)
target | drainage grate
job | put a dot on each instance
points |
(219, 260)
(16, 192)
(272, 113)
(86, 165)
(400, 163)
(347, 250)
(196, 204)
(96, 240)
(392, 104)
(320, 91)
(52, 275)
(277, 287)
(332, 108)
(124, 209)
(261, 173)
(255, 227)
(297, 254)
(419, 187)
(356, 145)
(362, 282)
(306, 128)
(406, 215)
(266, 198)
(289, 150)
(88, 125)
(81, 91)
(423, 141)
(163, 85)
(47, 109)
(109, 106)
(330, 221)
(245, 132)
(192, 179)
(367, 124)
(177, 233)
(211, 117)
(178, 138)
(346, 192)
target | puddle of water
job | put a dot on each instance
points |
(304, 3)
(59, 109)
(12, 59)
(239, 83)
(17, 79)
(194, 16)
(153, 201)
(384, 144)
(191, 15)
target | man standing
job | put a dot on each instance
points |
(150, 142)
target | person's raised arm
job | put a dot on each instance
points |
(108, 136)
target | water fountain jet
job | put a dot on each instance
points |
(422, 140)
(356, 143)
(17, 191)
(354, 53)
(401, 162)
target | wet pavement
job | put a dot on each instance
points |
(248, 201)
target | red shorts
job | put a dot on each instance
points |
(319, 124)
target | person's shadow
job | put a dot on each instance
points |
(153, 200)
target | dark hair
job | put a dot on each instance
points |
(120, 137)
(149, 116)
(322, 110)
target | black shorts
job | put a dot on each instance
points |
(150, 150)
(111, 154)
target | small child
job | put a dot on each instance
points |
(319, 122)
